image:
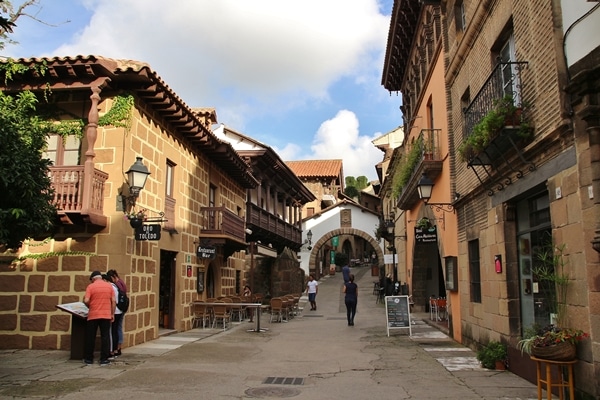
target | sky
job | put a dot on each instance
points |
(301, 76)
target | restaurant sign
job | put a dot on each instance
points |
(426, 235)
(206, 252)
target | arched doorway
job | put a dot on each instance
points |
(317, 256)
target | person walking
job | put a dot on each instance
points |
(120, 283)
(100, 299)
(312, 287)
(351, 299)
(346, 273)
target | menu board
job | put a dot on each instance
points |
(397, 312)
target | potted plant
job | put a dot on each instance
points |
(503, 113)
(136, 218)
(553, 343)
(493, 356)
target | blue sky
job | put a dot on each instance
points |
(301, 76)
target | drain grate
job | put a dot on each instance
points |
(279, 380)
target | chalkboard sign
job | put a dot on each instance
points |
(397, 312)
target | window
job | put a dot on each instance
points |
(461, 16)
(510, 76)
(212, 215)
(63, 151)
(169, 179)
(474, 271)
(169, 199)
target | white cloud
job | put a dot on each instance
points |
(273, 54)
(338, 138)
(249, 59)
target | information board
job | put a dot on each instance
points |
(397, 311)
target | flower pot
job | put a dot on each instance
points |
(136, 223)
(562, 351)
(500, 366)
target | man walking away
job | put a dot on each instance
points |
(100, 299)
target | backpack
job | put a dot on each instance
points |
(122, 301)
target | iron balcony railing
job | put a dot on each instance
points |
(505, 80)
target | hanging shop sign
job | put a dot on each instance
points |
(206, 252)
(335, 241)
(426, 235)
(147, 232)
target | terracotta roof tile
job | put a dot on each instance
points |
(316, 168)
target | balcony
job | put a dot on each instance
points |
(79, 199)
(497, 129)
(221, 227)
(424, 157)
(270, 228)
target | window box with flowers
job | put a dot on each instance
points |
(136, 218)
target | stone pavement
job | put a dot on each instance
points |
(313, 356)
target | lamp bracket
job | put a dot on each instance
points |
(446, 207)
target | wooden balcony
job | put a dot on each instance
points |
(222, 227)
(270, 228)
(79, 199)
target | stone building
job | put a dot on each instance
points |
(192, 241)
(523, 162)
(424, 230)
(273, 217)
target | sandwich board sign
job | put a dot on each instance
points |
(397, 312)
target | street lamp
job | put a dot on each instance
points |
(136, 177)
(425, 187)
(391, 226)
(309, 236)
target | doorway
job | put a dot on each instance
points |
(166, 293)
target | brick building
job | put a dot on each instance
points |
(531, 188)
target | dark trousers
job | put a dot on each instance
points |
(91, 327)
(114, 332)
(350, 310)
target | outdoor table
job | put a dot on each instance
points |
(256, 306)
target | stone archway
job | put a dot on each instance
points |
(344, 231)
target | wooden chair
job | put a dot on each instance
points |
(201, 313)
(277, 309)
(237, 311)
(221, 313)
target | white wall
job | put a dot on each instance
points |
(329, 221)
(584, 36)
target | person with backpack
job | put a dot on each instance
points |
(122, 306)
(118, 315)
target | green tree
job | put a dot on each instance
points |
(26, 208)
(354, 185)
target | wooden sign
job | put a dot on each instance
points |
(397, 311)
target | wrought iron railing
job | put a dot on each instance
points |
(505, 80)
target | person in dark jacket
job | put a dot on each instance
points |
(351, 299)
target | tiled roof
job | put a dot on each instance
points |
(316, 168)
(115, 76)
